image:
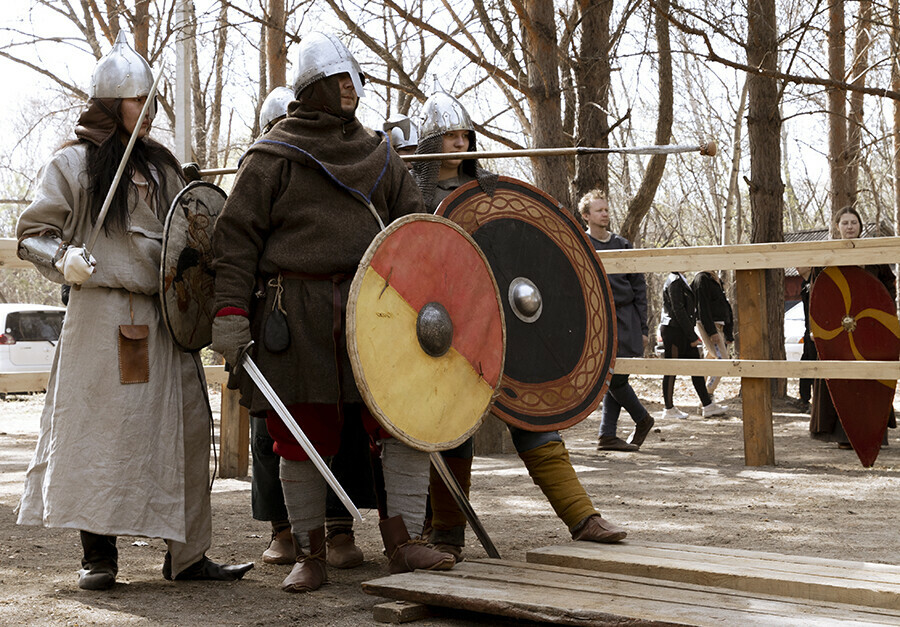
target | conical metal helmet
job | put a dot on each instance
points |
(275, 106)
(321, 55)
(443, 113)
(402, 130)
(121, 73)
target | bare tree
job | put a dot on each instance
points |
(764, 128)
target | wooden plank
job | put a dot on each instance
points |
(33, 381)
(736, 257)
(215, 375)
(809, 578)
(234, 436)
(756, 396)
(760, 368)
(8, 258)
(398, 612)
(567, 596)
(754, 256)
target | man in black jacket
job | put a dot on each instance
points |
(630, 296)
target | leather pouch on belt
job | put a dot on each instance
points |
(134, 353)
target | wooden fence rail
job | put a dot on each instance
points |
(748, 260)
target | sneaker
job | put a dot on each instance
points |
(673, 413)
(713, 410)
(614, 443)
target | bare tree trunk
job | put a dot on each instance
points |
(640, 204)
(544, 96)
(219, 64)
(276, 48)
(733, 192)
(855, 123)
(198, 100)
(142, 27)
(766, 187)
(895, 84)
(837, 109)
(263, 89)
(592, 78)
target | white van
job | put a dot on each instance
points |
(29, 338)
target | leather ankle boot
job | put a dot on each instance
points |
(342, 551)
(281, 548)
(100, 565)
(405, 554)
(308, 573)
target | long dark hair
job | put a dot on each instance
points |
(102, 162)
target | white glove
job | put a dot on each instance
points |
(76, 265)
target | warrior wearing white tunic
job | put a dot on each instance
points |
(124, 439)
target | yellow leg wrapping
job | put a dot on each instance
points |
(445, 513)
(552, 472)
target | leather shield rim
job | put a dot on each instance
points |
(353, 348)
(164, 308)
(589, 404)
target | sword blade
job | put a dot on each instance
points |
(459, 496)
(283, 413)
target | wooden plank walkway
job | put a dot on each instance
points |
(809, 578)
(568, 596)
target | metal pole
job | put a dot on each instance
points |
(182, 103)
(707, 150)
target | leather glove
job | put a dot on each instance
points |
(76, 265)
(191, 171)
(230, 334)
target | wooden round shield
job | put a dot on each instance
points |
(186, 277)
(425, 332)
(560, 317)
(852, 316)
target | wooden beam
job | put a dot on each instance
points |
(808, 578)
(11, 382)
(760, 368)
(756, 394)
(754, 256)
(234, 436)
(8, 258)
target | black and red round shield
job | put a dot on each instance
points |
(186, 278)
(560, 316)
(425, 332)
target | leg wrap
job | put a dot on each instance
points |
(552, 472)
(405, 483)
(447, 519)
(304, 497)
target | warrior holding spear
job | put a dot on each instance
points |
(125, 433)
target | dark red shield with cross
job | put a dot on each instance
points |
(852, 317)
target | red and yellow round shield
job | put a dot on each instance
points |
(425, 332)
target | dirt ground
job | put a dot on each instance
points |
(688, 484)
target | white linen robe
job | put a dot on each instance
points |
(113, 458)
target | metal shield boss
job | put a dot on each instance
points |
(560, 316)
(425, 332)
(852, 317)
(186, 277)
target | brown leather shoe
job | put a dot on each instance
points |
(615, 443)
(342, 552)
(641, 429)
(405, 554)
(308, 573)
(281, 548)
(595, 529)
